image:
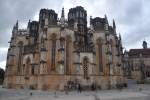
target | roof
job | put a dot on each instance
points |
(137, 52)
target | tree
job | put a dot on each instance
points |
(2, 73)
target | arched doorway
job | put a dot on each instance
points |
(85, 67)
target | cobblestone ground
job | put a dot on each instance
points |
(133, 92)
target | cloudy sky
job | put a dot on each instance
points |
(132, 17)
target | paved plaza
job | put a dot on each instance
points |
(133, 92)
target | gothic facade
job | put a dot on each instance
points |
(54, 53)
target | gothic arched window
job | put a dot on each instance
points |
(111, 57)
(100, 61)
(53, 51)
(68, 55)
(111, 50)
(27, 67)
(85, 67)
(20, 46)
(32, 70)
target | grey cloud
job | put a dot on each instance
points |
(3, 55)
(10, 11)
(132, 16)
(22, 10)
(125, 11)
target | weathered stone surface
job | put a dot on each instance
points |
(57, 56)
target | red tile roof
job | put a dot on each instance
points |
(137, 52)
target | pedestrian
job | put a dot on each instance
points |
(79, 88)
(30, 93)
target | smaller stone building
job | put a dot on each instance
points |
(138, 63)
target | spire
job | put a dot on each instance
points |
(62, 13)
(29, 23)
(144, 44)
(28, 27)
(106, 23)
(91, 24)
(114, 25)
(17, 25)
(62, 19)
(119, 36)
(90, 20)
(15, 29)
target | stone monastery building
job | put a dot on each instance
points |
(57, 53)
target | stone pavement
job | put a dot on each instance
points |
(133, 92)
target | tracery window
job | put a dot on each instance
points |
(68, 55)
(28, 66)
(100, 62)
(32, 70)
(85, 67)
(53, 52)
(20, 46)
